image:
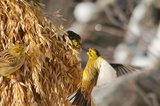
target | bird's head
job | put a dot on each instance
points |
(75, 39)
(93, 53)
(17, 49)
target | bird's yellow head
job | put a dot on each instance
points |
(75, 39)
(93, 53)
(17, 49)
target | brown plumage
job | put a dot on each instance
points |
(11, 59)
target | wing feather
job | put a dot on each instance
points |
(123, 69)
(6, 59)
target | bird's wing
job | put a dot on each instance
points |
(107, 74)
(6, 59)
(123, 69)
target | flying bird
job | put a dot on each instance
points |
(97, 72)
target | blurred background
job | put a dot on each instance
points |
(123, 31)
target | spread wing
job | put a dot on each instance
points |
(107, 74)
(123, 69)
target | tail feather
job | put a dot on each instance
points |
(89, 103)
(78, 99)
(84, 102)
(72, 97)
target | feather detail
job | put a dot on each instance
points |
(78, 98)
(11, 59)
(107, 74)
(123, 69)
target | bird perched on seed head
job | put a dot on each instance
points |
(75, 39)
(97, 72)
(11, 59)
(75, 44)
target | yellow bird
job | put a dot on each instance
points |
(97, 72)
(75, 44)
(75, 39)
(11, 59)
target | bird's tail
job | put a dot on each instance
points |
(78, 99)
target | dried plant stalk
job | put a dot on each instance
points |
(48, 74)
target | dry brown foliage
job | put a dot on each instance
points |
(48, 74)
